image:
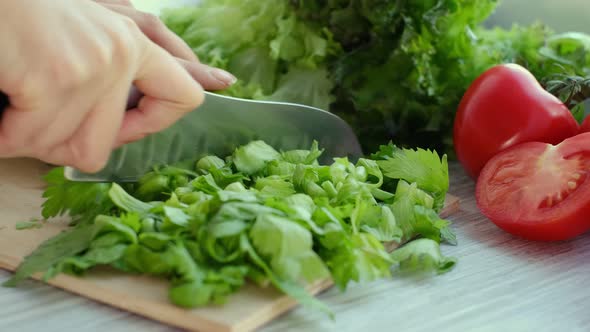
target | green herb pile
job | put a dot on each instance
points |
(274, 218)
(394, 70)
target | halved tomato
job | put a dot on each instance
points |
(539, 191)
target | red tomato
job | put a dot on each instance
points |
(539, 191)
(585, 125)
(503, 107)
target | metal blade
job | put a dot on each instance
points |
(221, 124)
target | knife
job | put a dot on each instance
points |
(220, 125)
(4, 102)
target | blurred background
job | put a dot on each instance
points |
(561, 15)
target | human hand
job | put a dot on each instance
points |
(209, 77)
(67, 67)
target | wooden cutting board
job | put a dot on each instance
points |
(20, 200)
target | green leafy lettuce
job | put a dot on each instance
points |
(274, 218)
(274, 55)
(394, 70)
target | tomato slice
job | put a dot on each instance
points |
(539, 191)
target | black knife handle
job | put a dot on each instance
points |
(134, 96)
(4, 102)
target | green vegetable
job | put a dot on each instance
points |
(573, 90)
(274, 54)
(394, 70)
(33, 223)
(275, 218)
(81, 201)
(51, 252)
(253, 157)
(422, 256)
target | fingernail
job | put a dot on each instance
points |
(223, 76)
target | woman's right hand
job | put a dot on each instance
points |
(67, 67)
(152, 27)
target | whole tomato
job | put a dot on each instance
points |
(505, 106)
(585, 125)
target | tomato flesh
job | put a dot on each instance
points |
(539, 191)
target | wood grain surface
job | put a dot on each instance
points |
(501, 283)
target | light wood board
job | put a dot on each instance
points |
(20, 200)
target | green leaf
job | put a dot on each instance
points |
(176, 216)
(257, 72)
(92, 257)
(280, 168)
(133, 220)
(310, 87)
(224, 176)
(226, 228)
(373, 171)
(205, 184)
(306, 157)
(340, 169)
(579, 112)
(246, 211)
(152, 185)
(411, 192)
(305, 179)
(381, 223)
(142, 259)
(197, 285)
(416, 218)
(52, 251)
(33, 223)
(236, 192)
(191, 294)
(302, 206)
(155, 241)
(252, 157)
(274, 185)
(79, 200)
(361, 258)
(298, 207)
(425, 216)
(422, 256)
(289, 248)
(188, 273)
(290, 288)
(108, 239)
(423, 167)
(210, 162)
(189, 196)
(106, 224)
(298, 43)
(125, 201)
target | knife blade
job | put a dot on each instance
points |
(220, 125)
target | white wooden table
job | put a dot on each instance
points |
(500, 284)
